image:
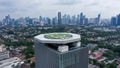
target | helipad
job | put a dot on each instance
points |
(59, 38)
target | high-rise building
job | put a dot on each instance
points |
(86, 21)
(49, 21)
(73, 20)
(0, 23)
(60, 50)
(53, 21)
(118, 20)
(64, 19)
(40, 18)
(7, 20)
(68, 19)
(113, 21)
(81, 18)
(78, 19)
(98, 19)
(59, 18)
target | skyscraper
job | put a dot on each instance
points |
(7, 20)
(60, 50)
(59, 18)
(40, 18)
(49, 21)
(113, 21)
(98, 19)
(81, 18)
(86, 21)
(73, 20)
(53, 21)
(118, 20)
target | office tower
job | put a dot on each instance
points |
(73, 22)
(98, 19)
(48, 21)
(7, 20)
(64, 19)
(81, 18)
(28, 21)
(86, 21)
(56, 20)
(53, 21)
(113, 21)
(59, 18)
(118, 20)
(40, 18)
(78, 20)
(68, 19)
(0, 23)
(60, 50)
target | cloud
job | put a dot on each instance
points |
(35, 8)
(67, 2)
(6, 3)
(18, 8)
(92, 4)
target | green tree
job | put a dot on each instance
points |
(28, 52)
(110, 55)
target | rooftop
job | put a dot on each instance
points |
(59, 38)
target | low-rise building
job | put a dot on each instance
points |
(98, 56)
(4, 54)
(118, 66)
(9, 63)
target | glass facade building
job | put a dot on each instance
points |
(48, 56)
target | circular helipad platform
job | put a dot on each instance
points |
(58, 38)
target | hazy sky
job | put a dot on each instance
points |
(35, 8)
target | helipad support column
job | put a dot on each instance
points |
(60, 50)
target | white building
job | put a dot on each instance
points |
(2, 48)
(9, 63)
(4, 54)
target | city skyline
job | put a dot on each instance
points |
(60, 19)
(41, 7)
